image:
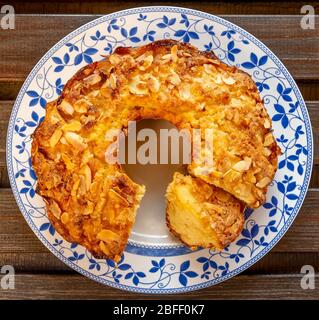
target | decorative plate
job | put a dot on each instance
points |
(154, 262)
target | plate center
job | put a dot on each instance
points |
(150, 227)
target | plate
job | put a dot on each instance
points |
(154, 262)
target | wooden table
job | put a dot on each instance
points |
(39, 274)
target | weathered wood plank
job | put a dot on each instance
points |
(35, 262)
(6, 108)
(301, 234)
(308, 89)
(16, 236)
(74, 286)
(272, 263)
(314, 181)
(9, 89)
(22, 47)
(20, 247)
(214, 7)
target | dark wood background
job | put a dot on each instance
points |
(39, 25)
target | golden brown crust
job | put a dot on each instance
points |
(165, 79)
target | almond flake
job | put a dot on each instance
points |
(66, 107)
(263, 182)
(56, 136)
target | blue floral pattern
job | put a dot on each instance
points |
(142, 268)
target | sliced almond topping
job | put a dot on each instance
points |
(129, 60)
(218, 79)
(85, 180)
(63, 141)
(75, 186)
(137, 86)
(153, 83)
(88, 176)
(167, 57)
(228, 80)
(82, 186)
(92, 79)
(267, 124)
(100, 204)
(202, 170)
(75, 140)
(94, 188)
(114, 59)
(147, 63)
(208, 68)
(252, 179)
(201, 106)
(81, 106)
(174, 51)
(268, 139)
(65, 217)
(185, 92)
(107, 68)
(89, 207)
(112, 81)
(263, 182)
(55, 117)
(66, 107)
(86, 157)
(72, 126)
(106, 84)
(217, 208)
(104, 248)
(242, 165)
(214, 61)
(117, 198)
(267, 152)
(231, 174)
(54, 209)
(213, 225)
(142, 56)
(203, 215)
(108, 236)
(138, 91)
(67, 160)
(216, 174)
(174, 79)
(56, 136)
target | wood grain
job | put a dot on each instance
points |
(74, 286)
(309, 89)
(215, 7)
(22, 47)
(46, 262)
(39, 273)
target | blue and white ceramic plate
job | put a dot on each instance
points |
(155, 262)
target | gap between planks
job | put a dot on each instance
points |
(22, 47)
(272, 263)
(214, 7)
(75, 286)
